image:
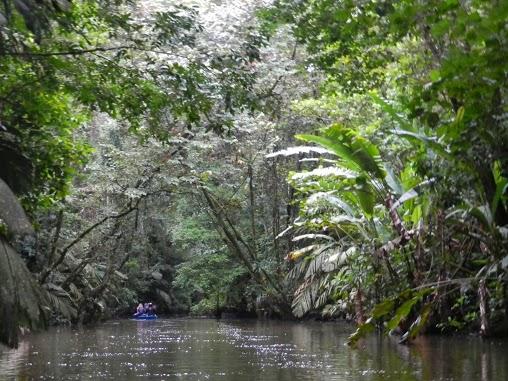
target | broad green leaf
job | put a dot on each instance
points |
(332, 200)
(501, 186)
(412, 193)
(402, 313)
(418, 324)
(331, 171)
(312, 236)
(367, 200)
(383, 308)
(297, 150)
(356, 151)
(430, 142)
(362, 331)
(435, 75)
(390, 110)
(482, 214)
(393, 181)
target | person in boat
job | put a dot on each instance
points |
(140, 310)
(151, 310)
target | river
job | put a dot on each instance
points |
(205, 349)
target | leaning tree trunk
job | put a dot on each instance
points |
(482, 296)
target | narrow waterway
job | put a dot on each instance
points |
(201, 349)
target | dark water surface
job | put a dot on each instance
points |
(194, 349)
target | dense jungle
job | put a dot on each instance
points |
(330, 159)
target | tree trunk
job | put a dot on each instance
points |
(275, 210)
(359, 315)
(482, 295)
(291, 209)
(250, 173)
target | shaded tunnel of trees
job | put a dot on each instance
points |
(283, 159)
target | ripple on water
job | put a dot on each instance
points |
(209, 350)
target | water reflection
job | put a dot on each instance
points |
(189, 349)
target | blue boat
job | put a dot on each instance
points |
(144, 317)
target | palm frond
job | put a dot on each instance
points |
(305, 296)
(62, 306)
(297, 150)
(319, 199)
(356, 152)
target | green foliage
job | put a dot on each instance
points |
(347, 202)
(99, 56)
(434, 74)
(357, 152)
(466, 51)
(209, 280)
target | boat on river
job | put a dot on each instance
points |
(144, 317)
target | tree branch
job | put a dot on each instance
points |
(54, 241)
(63, 252)
(76, 52)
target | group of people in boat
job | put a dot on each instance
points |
(147, 309)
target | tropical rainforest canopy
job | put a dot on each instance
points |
(332, 159)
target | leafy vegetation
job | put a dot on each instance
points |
(407, 211)
(340, 158)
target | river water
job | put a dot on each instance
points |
(202, 349)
